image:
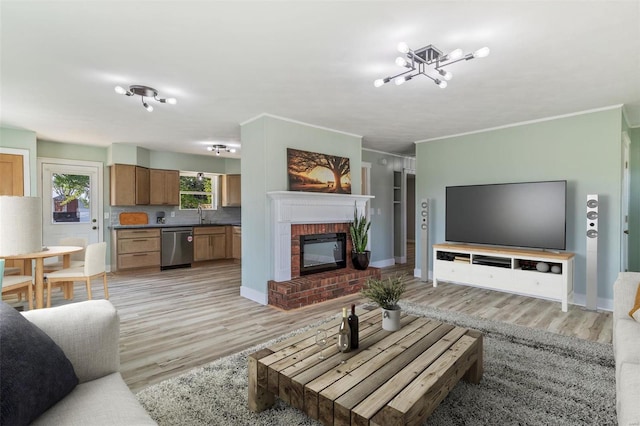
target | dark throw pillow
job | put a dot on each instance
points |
(34, 372)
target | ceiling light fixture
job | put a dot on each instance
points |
(200, 176)
(420, 62)
(220, 148)
(144, 92)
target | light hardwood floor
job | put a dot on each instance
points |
(175, 320)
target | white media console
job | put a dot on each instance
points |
(508, 270)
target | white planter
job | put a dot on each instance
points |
(391, 320)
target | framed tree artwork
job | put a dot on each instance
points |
(314, 172)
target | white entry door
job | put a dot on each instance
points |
(70, 202)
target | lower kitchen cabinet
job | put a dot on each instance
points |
(209, 243)
(136, 248)
(236, 242)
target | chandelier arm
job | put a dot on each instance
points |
(401, 74)
(464, 58)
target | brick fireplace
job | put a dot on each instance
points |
(302, 213)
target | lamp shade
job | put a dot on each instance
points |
(20, 225)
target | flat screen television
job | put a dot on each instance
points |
(526, 214)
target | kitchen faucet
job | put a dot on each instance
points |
(200, 214)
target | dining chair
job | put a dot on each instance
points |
(94, 267)
(16, 284)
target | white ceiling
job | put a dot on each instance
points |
(315, 62)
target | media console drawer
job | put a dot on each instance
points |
(508, 270)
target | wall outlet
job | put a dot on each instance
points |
(173, 214)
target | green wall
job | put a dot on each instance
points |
(264, 168)
(583, 149)
(22, 139)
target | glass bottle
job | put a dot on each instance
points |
(344, 334)
(353, 327)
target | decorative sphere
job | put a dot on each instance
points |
(556, 269)
(542, 267)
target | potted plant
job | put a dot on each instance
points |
(359, 231)
(386, 293)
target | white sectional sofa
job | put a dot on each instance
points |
(626, 349)
(88, 333)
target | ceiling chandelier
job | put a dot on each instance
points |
(144, 92)
(220, 148)
(421, 61)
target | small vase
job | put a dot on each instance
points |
(361, 260)
(391, 319)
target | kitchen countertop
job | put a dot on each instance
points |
(172, 225)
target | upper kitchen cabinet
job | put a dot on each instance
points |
(230, 189)
(164, 187)
(129, 185)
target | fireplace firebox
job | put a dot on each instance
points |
(322, 252)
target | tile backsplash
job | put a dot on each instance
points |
(223, 215)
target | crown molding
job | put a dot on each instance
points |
(264, 114)
(523, 123)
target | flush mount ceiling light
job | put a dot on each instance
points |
(428, 61)
(145, 92)
(220, 148)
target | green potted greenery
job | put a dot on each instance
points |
(386, 293)
(359, 231)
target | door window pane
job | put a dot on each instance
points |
(70, 198)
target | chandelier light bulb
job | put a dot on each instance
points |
(172, 101)
(401, 62)
(481, 53)
(456, 54)
(232, 150)
(403, 47)
(209, 148)
(379, 82)
(120, 90)
(441, 83)
(147, 106)
(445, 74)
(399, 80)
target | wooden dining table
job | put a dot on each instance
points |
(39, 256)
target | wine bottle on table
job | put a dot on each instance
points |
(353, 327)
(344, 334)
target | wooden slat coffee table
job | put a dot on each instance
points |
(393, 378)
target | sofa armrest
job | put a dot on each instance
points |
(624, 293)
(88, 333)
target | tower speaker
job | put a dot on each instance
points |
(424, 240)
(592, 251)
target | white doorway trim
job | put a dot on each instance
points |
(625, 199)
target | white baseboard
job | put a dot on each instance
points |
(400, 259)
(602, 304)
(417, 273)
(254, 295)
(383, 263)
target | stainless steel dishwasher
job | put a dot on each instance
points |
(177, 248)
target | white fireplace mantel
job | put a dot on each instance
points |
(292, 207)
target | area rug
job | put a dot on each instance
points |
(531, 377)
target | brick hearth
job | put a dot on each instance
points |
(320, 287)
(323, 286)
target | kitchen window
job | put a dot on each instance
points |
(198, 189)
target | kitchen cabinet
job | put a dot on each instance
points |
(136, 248)
(230, 190)
(236, 242)
(209, 243)
(164, 187)
(129, 185)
